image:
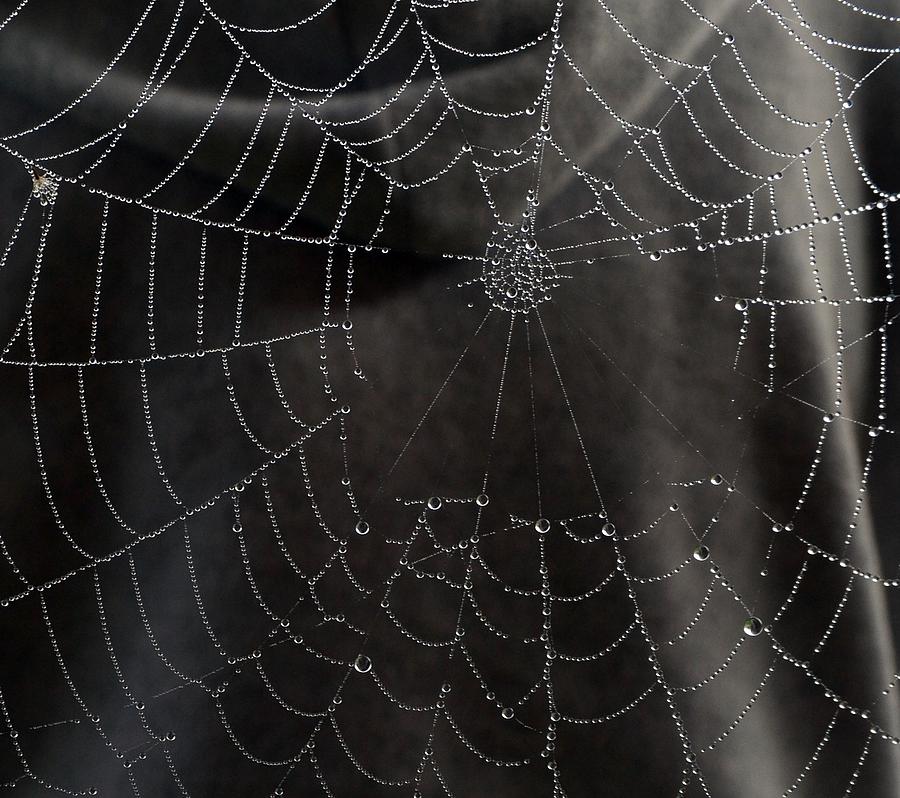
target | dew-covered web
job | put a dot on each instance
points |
(496, 403)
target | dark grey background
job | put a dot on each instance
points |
(644, 350)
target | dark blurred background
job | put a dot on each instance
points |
(190, 505)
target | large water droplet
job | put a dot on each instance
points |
(362, 664)
(753, 626)
(362, 527)
(542, 525)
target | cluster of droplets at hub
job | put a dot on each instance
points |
(517, 275)
(519, 269)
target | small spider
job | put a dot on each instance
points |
(44, 186)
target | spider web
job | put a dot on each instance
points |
(358, 458)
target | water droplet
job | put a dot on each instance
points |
(507, 713)
(542, 525)
(655, 255)
(608, 530)
(362, 664)
(434, 503)
(741, 304)
(482, 500)
(753, 626)
(716, 479)
(362, 527)
(701, 553)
